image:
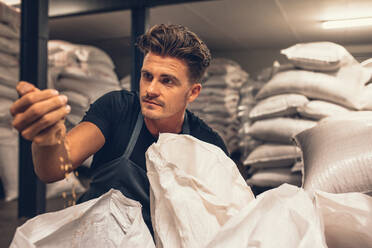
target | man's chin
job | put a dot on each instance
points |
(151, 114)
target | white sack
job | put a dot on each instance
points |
(8, 60)
(83, 53)
(10, 15)
(319, 56)
(279, 105)
(111, 220)
(347, 219)
(280, 130)
(337, 155)
(193, 192)
(283, 217)
(73, 119)
(274, 177)
(318, 109)
(10, 46)
(343, 87)
(10, 93)
(8, 31)
(125, 83)
(5, 116)
(297, 167)
(88, 74)
(363, 116)
(92, 89)
(9, 162)
(367, 97)
(9, 76)
(273, 155)
(76, 99)
(222, 66)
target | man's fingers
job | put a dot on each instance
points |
(37, 111)
(27, 100)
(46, 121)
(24, 87)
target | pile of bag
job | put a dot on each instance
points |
(322, 80)
(83, 73)
(125, 83)
(218, 101)
(220, 210)
(9, 75)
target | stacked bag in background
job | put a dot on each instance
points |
(247, 101)
(218, 101)
(83, 73)
(125, 83)
(9, 77)
(322, 80)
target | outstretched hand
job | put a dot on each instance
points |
(39, 114)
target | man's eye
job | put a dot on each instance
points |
(146, 76)
(166, 81)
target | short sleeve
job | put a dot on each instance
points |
(103, 111)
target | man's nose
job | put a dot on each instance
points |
(153, 88)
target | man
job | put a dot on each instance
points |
(120, 126)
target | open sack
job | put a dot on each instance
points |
(111, 220)
(199, 200)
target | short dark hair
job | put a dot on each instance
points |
(179, 42)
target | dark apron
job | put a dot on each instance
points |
(124, 175)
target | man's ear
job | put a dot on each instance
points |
(194, 92)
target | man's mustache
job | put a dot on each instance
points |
(151, 99)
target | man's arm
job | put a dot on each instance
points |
(39, 117)
(52, 162)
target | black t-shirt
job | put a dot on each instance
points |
(115, 114)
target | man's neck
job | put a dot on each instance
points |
(168, 125)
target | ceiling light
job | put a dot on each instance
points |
(11, 2)
(347, 23)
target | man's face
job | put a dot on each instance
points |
(165, 88)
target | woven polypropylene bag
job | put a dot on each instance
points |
(337, 155)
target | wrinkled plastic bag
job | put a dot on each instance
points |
(281, 217)
(347, 219)
(195, 189)
(111, 220)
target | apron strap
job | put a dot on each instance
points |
(185, 126)
(137, 130)
(134, 137)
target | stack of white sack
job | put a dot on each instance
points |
(9, 75)
(83, 73)
(220, 210)
(247, 101)
(125, 83)
(322, 80)
(218, 101)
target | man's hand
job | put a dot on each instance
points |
(39, 114)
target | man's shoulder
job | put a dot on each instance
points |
(120, 98)
(200, 130)
(121, 95)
